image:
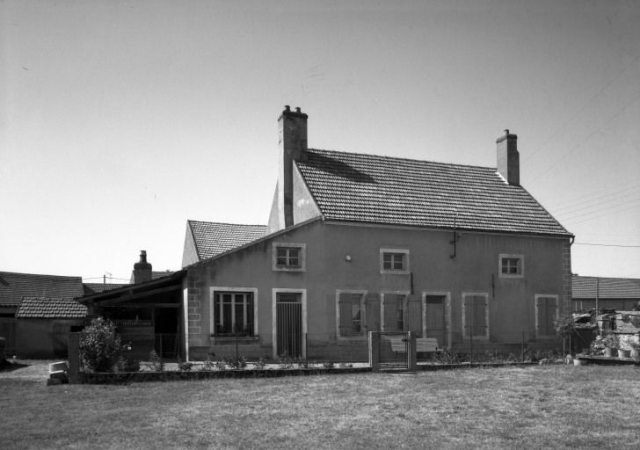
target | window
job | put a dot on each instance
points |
(394, 261)
(475, 315)
(546, 314)
(289, 257)
(393, 312)
(511, 266)
(351, 313)
(233, 313)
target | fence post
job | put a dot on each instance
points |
(470, 345)
(73, 352)
(522, 350)
(374, 350)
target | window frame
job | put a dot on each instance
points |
(556, 315)
(231, 290)
(301, 267)
(520, 266)
(395, 251)
(363, 314)
(465, 330)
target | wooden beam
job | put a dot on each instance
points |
(131, 296)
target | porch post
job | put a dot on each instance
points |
(374, 350)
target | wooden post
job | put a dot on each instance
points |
(412, 352)
(374, 350)
(73, 351)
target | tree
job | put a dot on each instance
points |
(100, 345)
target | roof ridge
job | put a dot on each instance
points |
(39, 274)
(404, 159)
(226, 223)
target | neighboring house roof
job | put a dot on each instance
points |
(212, 238)
(585, 287)
(384, 190)
(14, 286)
(95, 288)
(156, 274)
(50, 308)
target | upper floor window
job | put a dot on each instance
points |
(394, 261)
(511, 266)
(289, 257)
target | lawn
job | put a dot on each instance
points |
(539, 407)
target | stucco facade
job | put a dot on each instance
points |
(346, 258)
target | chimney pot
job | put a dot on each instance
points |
(287, 108)
(298, 110)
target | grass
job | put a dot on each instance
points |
(541, 407)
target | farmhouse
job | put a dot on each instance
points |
(359, 243)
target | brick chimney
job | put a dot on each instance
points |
(292, 141)
(509, 158)
(142, 270)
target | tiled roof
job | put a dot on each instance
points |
(96, 288)
(384, 190)
(585, 287)
(157, 274)
(50, 308)
(14, 286)
(213, 238)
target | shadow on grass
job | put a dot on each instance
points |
(6, 366)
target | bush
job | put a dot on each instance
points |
(100, 346)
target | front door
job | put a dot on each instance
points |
(289, 325)
(436, 327)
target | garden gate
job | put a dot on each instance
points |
(392, 350)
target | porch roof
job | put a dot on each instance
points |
(130, 292)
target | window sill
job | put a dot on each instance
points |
(221, 340)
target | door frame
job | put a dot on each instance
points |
(274, 318)
(447, 314)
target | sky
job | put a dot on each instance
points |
(120, 120)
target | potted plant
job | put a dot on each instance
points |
(610, 342)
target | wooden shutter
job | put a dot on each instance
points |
(373, 312)
(546, 315)
(344, 305)
(475, 311)
(390, 319)
(414, 315)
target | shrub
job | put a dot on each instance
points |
(157, 365)
(239, 362)
(260, 364)
(100, 346)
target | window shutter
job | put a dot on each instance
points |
(373, 312)
(414, 315)
(546, 315)
(390, 319)
(345, 305)
(475, 311)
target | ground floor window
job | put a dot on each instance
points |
(393, 311)
(233, 313)
(475, 315)
(351, 313)
(546, 315)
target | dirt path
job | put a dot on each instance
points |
(37, 370)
